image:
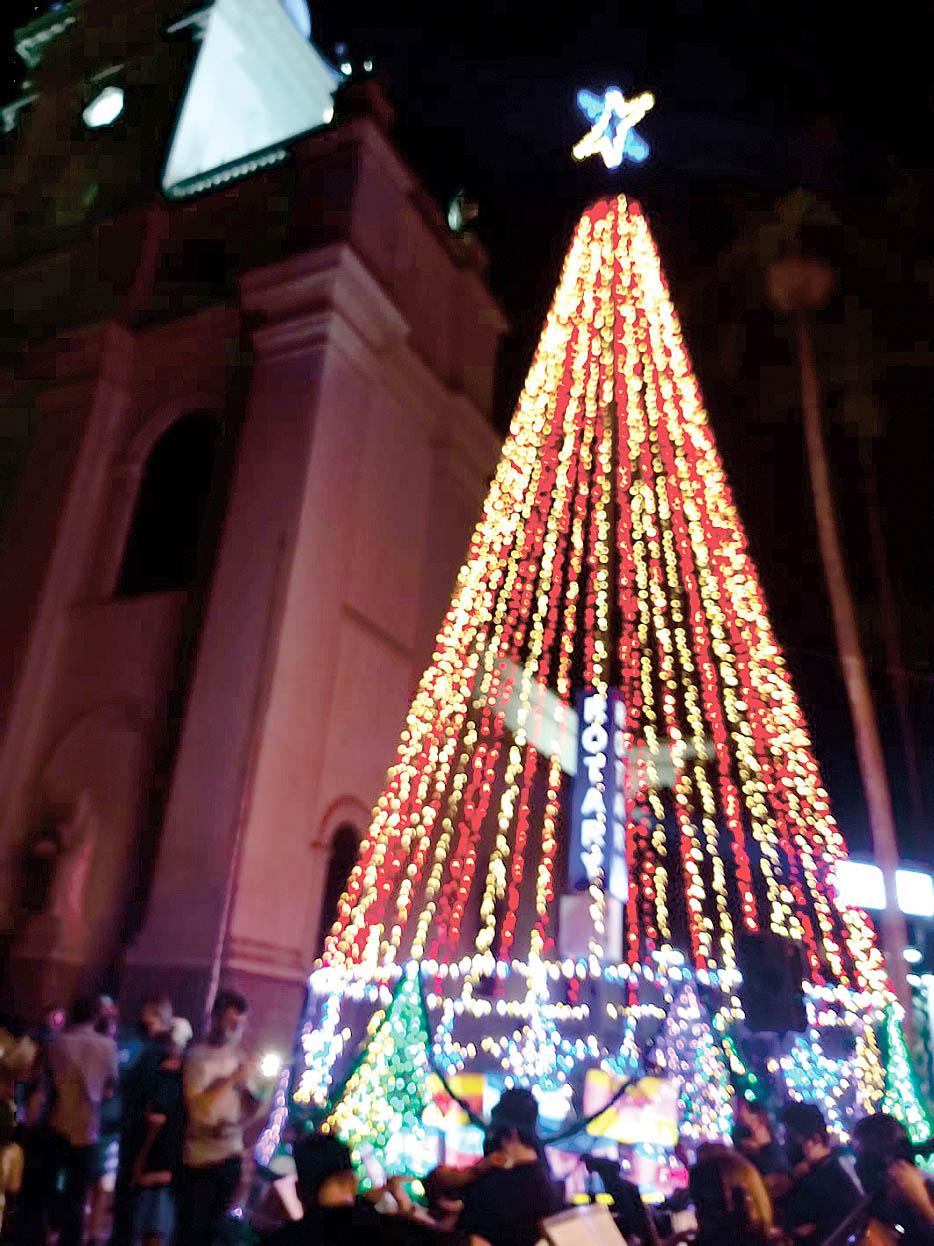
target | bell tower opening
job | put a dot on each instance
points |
(161, 553)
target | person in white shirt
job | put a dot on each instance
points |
(82, 1065)
(222, 1095)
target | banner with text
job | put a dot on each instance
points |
(598, 798)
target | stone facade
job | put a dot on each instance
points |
(175, 763)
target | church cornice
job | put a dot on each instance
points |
(327, 278)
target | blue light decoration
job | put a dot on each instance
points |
(598, 802)
(613, 118)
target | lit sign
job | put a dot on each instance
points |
(647, 1111)
(915, 891)
(549, 725)
(860, 885)
(598, 800)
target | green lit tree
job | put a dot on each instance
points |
(903, 1098)
(378, 1108)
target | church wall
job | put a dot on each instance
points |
(95, 654)
(355, 187)
(80, 388)
(387, 556)
(354, 633)
(345, 665)
(361, 458)
(202, 827)
(37, 510)
(297, 721)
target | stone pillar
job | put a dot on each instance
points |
(233, 900)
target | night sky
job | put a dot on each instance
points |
(751, 102)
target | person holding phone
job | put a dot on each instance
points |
(223, 1090)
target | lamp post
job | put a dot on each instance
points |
(797, 286)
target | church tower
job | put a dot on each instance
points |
(244, 415)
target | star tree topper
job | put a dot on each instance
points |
(612, 134)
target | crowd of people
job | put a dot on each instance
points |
(133, 1137)
(138, 1138)
(756, 1192)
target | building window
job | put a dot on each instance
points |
(161, 552)
(344, 844)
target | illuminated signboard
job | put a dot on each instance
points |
(860, 885)
(646, 1113)
(598, 798)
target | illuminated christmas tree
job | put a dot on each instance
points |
(605, 778)
(380, 1105)
(922, 1033)
(688, 1050)
(903, 1096)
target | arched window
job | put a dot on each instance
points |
(344, 846)
(161, 552)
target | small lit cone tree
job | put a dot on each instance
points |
(688, 1050)
(850, 1081)
(379, 1109)
(903, 1096)
(922, 1044)
(605, 776)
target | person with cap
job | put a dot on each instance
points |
(336, 1215)
(508, 1193)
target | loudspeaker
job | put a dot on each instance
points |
(772, 995)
